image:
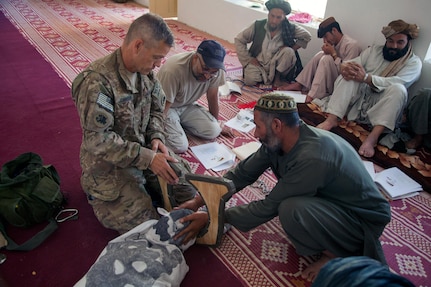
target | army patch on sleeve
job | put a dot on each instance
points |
(102, 119)
(105, 102)
(156, 88)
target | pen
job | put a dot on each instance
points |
(390, 181)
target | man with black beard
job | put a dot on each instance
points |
(326, 201)
(372, 88)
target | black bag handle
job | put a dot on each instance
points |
(34, 241)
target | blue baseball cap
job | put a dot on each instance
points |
(212, 53)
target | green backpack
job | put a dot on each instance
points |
(29, 194)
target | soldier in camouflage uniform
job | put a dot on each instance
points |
(120, 105)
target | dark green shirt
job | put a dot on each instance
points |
(321, 164)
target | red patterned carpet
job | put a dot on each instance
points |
(69, 34)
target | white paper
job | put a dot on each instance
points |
(297, 95)
(245, 150)
(225, 165)
(369, 166)
(392, 181)
(228, 88)
(397, 184)
(214, 156)
(243, 121)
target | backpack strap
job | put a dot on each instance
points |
(33, 242)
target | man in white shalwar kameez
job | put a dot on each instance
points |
(372, 88)
(318, 76)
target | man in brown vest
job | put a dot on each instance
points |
(273, 55)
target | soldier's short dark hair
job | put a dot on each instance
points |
(151, 28)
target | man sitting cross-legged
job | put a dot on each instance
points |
(268, 48)
(185, 78)
(372, 88)
(326, 201)
(318, 76)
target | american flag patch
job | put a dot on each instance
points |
(105, 102)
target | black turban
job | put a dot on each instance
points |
(281, 4)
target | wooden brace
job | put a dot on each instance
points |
(215, 191)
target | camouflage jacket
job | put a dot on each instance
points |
(120, 114)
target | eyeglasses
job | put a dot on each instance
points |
(205, 69)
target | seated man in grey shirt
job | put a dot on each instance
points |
(185, 78)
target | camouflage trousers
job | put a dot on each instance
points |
(137, 199)
(132, 207)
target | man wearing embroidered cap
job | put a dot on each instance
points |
(318, 76)
(372, 88)
(272, 57)
(325, 199)
(186, 77)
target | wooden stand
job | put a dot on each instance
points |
(215, 191)
(166, 189)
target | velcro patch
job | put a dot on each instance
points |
(105, 102)
(102, 119)
(124, 99)
(156, 89)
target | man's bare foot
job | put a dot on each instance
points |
(367, 148)
(308, 99)
(291, 87)
(415, 142)
(330, 122)
(368, 145)
(313, 269)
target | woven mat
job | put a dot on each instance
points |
(70, 34)
(417, 166)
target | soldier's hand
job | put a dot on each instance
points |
(161, 167)
(158, 145)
